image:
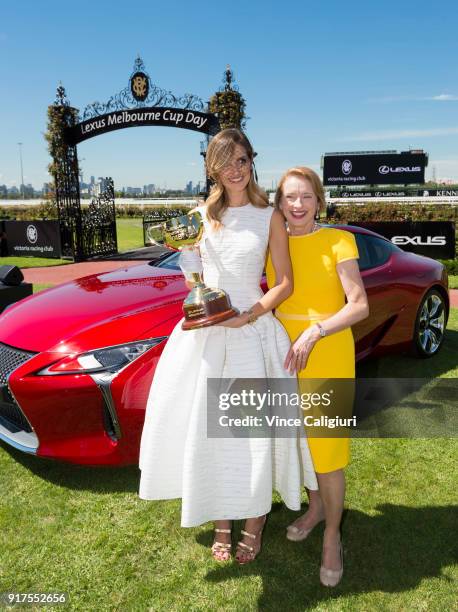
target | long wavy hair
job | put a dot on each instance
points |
(312, 177)
(219, 154)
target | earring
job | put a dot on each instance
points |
(317, 214)
(253, 169)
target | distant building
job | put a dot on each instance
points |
(149, 189)
(134, 191)
(26, 190)
(99, 187)
(3, 191)
(188, 188)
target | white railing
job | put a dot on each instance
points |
(438, 200)
(118, 201)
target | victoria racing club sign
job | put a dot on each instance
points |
(374, 169)
(37, 239)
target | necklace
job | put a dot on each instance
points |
(315, 228)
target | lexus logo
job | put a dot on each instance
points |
(387, 169)
(32, 234)
(346, 166)
(428, 241)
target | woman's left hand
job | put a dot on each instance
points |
(235, 322)
(298, 354)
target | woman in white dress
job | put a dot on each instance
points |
(224, 479)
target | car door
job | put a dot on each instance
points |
(375, 263)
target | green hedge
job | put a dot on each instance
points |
(391, 212)
(451, 266)
(45, 210)
(48, 210)
(397, 212)
(132, 210)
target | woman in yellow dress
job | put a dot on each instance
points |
(328, 298)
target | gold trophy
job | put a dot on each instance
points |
(203, 306)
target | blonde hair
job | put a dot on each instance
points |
(311, 176)
(219, 153)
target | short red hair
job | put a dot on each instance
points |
(308, 174)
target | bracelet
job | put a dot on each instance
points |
(251, 316)
(321, 330)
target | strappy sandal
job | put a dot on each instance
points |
(220, 550)
(248, 552)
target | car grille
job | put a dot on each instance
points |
(10, 359)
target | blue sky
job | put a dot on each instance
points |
(330, 76)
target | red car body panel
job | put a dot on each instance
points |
(71, 415)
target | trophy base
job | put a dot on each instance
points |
(207, 321)
(205, 306)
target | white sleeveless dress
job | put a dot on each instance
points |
(221, 478)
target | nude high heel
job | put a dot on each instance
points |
(331, 578)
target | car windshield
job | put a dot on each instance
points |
(168, 261)
(373, 251)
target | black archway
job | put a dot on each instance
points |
(92, 232)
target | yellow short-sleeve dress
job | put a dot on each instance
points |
(318, 293)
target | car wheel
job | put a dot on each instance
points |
(430, 324)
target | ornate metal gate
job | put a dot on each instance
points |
(92, 232)
(64, 168)
(99, 223)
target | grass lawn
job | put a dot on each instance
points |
(130, 236)
(453, 282)
(84, 531)
(40, 286)
(32, 262)
(444, 364)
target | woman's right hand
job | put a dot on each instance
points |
(300, 350)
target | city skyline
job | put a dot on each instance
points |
(95, 186)
(335, 78)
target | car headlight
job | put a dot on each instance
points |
(107, 359)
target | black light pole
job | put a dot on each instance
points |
(203, 152)
(22, 170)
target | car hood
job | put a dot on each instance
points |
(55, 315)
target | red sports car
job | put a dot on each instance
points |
(77, 360)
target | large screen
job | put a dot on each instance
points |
(374, 169)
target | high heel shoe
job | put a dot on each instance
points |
(221, 551)
(331, 578)
(247, 552)
(296, 534)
